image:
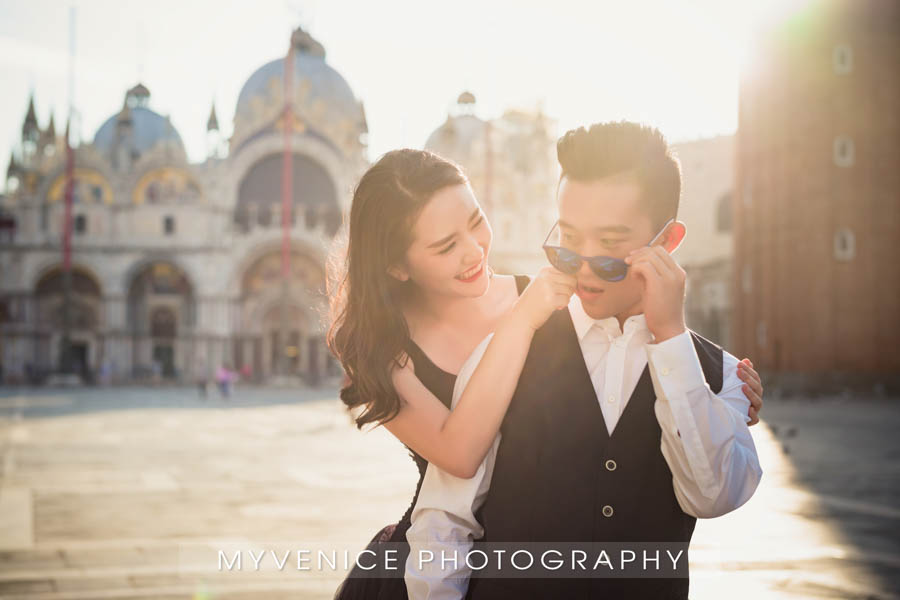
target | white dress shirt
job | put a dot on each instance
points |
(705, 441)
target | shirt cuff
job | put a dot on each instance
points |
(676, 363)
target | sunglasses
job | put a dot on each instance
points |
(607, 268)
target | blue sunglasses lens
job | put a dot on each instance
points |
(610, 269)
(606, 268)
(566, 261)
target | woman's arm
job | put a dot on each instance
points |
(457, 441)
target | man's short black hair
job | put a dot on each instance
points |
(620, 148)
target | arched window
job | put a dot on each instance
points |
(842, 59)
(152, 192)
(844, 153)
(723, 213)
(844, 244)
(314, 193)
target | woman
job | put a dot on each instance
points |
(414, 298)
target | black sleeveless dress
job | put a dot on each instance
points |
(375, 585)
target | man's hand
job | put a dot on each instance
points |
(663, 297)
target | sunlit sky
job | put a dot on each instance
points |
(672, 64)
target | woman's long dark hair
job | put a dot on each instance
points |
(368, 332)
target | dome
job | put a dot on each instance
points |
(456, 134)
(466, 98)
(461, 132)
(314, 81)
(148, 128)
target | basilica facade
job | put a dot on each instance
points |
(176, 266)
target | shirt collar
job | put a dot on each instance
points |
(583, 322)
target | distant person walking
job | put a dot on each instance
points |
(224, 379)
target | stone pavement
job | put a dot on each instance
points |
(128, 492)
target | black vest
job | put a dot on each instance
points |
(552, 480)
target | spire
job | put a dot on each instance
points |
(13, 169)
(48, 136)
(30, 126)
(212, 124)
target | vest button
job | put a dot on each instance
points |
(610, 465)
(607, 511)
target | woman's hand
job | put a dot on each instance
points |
(753, 389)
(549, 290)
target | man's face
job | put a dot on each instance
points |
(604, 218)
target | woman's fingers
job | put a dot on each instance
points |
(561, 279)
(747, 372)
(754, 384)
(753, 396)
(754, 416)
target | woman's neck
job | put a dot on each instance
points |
(456, 312)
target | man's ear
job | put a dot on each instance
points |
(398, 273)
(673, 237)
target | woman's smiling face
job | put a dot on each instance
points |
(451, 244)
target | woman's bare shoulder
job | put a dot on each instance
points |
(503, 291)
(504, 284)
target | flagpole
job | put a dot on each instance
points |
(287, 184)
(65, 359)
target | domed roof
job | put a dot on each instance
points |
(148, 128)
(312, 76)
(456, 134)
(466, 97)
(461, 132)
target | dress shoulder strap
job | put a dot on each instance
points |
(522, 282)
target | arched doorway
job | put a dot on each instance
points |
(285, 334)
(84, 322)
(162, 316)
(163, 328)
(280, 331)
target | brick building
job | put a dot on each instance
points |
(816, 284)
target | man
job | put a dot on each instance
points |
(625, 426)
